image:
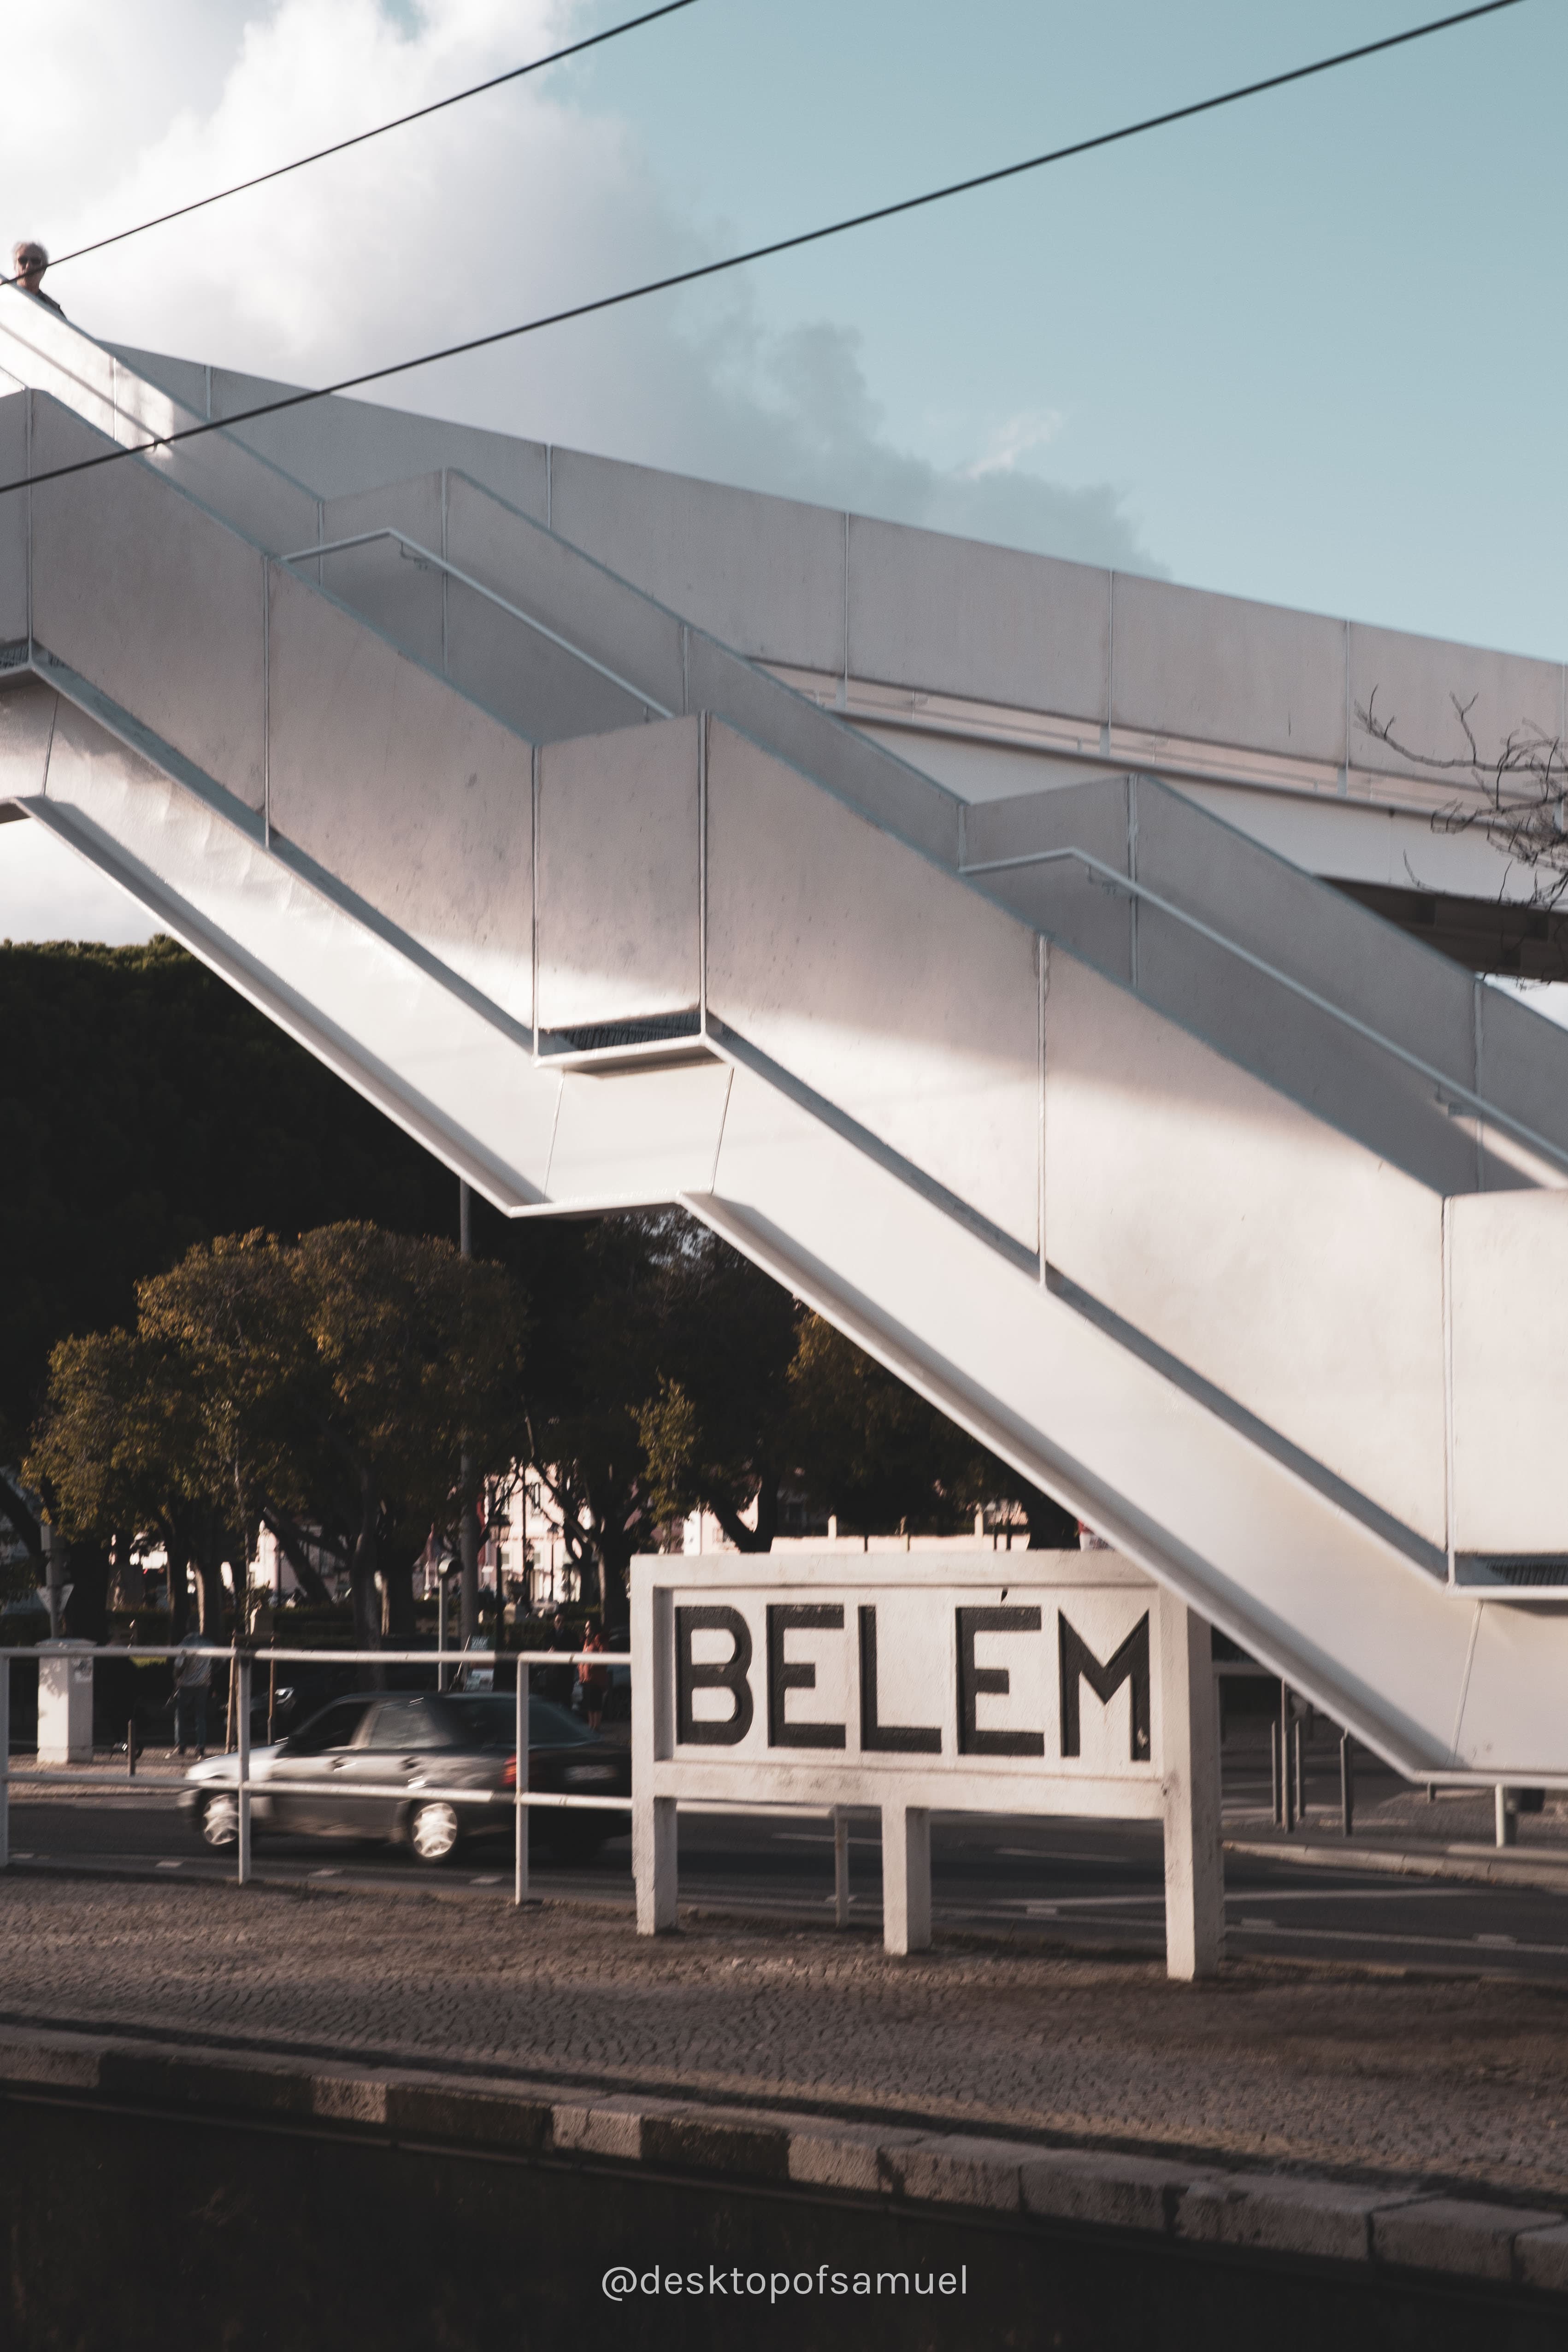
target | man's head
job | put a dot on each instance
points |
(29, 262)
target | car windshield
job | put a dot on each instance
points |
(492, 1723)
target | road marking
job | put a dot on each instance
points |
(492, 1878)
(1361, 1893)
(1061, 1854)
(1421, 1943)
(171, 1866)
(324, 1873)
(1090, 1903)
(805, 1837)
(1256, 1923)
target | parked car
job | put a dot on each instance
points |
(404, 1742)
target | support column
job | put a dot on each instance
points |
(655, 1851)
(655, 1863)
(1189, 1751)
(906, 1878)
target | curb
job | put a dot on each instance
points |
(1388, 2227)
(1472, 1866)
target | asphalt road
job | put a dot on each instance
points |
(1073, 1882)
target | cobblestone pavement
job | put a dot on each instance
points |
(1278, 2063)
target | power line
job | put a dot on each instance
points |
(340, 146)
(778, 244)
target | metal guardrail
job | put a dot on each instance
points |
(241, 1657)
(1113, 879)
(452, 571)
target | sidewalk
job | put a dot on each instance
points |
(1400, 1830)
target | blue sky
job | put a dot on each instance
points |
(1309, 349)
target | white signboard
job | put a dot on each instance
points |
(1043, 1682)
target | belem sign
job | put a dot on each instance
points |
(1014, 1681)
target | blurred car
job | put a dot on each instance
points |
(358, 1768)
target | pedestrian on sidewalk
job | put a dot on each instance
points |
(193, 1675)
(595, 1678)
(30, 261)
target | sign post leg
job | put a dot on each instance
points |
(654, 1863)
(906, 1878)
(841, 1867)
(1195, 1861)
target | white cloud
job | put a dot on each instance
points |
(509, 206)
(1014, 440)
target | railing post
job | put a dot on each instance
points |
(1275, 1806)
(520, 1809)
(1347, 1786)
(4, 1763)
(1286, 1789)
(242, 1702)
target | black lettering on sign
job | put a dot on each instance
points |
(889, 1739)
(731, 1675)
(973, 1681)
(1128, 1664)
(787, 1675)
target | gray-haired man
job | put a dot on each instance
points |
(30, 261)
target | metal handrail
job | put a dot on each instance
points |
(1112, 875)
(441, 563)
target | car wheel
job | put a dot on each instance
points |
(218, 1821)
(434, 1832)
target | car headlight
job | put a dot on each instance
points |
(577, 1773)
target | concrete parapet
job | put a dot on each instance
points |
(1379, 2228)
(1455, 2235)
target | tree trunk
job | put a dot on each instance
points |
(745, 1539)
(363, 1567)
(397, 1617)
(124, 1584)
(614, 1571)
(177, 1556)
(468, 1555)
(209, 1599)
(1051, 1528)
(87, 1572)
(290, 1541)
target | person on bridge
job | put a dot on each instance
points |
(30, 261)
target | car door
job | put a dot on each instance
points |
(318, 1753)
(396, 1747)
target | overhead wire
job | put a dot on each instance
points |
(792, 244)
(378, 131)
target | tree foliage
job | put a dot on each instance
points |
(346, 1377)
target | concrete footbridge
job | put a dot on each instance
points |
(950, 930)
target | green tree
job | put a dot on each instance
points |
(717, 1430)
(881, 1459)
(148, 1106)
(342, 1379)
